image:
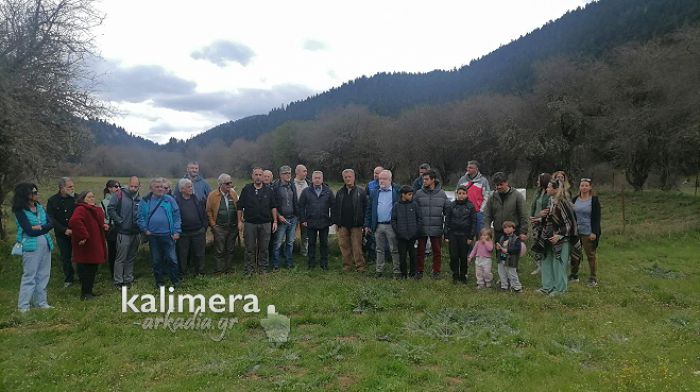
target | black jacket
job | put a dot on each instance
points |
(60, 209)
(406, 220)
(595, 217)
(257, 208)
(316, 210)
(461, 219)
(201, 223)
(359, 206)
(281, 197)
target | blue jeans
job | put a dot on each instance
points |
(36, 270)
(284, 236)
(479, 223)
(164, 259)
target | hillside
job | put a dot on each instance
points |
(588, 31)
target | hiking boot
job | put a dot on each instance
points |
(573, 278)
(592, 282)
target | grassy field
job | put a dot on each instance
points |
(638, 331)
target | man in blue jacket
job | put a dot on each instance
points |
(159, 220)
(378, 221)
(201, 187)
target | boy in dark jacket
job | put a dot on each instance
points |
(508, 247)
(406, 221)
(460, 231)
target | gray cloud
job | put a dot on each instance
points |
(245, 102)
(139, 83)
(165, 90)
(223, 52)
(314, 45)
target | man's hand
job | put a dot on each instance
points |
(469, 242)
(106, 227)
(523, 237)
(68, 232)
(82, 242)
(274, 227)
(240, 226)
(304, 224)
(282, 219)
(592, 237)
(366, 230)
(555, 238)
(176, 236)
(147, 233)
(36, 227)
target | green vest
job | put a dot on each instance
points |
(226, 217)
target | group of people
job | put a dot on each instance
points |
(400, 224)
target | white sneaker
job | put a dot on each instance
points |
(46, 306)
(23, 310)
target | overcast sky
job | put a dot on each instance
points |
(175, 68)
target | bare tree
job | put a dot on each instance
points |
(45, 85)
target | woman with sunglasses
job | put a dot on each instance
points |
(587, 207)
(33, 227)
(111, 189)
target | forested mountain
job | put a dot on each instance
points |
(587, 32)
(110, 134)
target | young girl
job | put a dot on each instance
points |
(482, 251)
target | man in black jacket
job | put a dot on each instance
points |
(287, 218)
(315, 205)
(349, 217)
(406, 220)
(192, 243)
(256, 210)
(60, 208)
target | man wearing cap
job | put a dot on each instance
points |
(285, 194)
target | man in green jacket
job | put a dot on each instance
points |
(506, 204)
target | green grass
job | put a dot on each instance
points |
(638, 331)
